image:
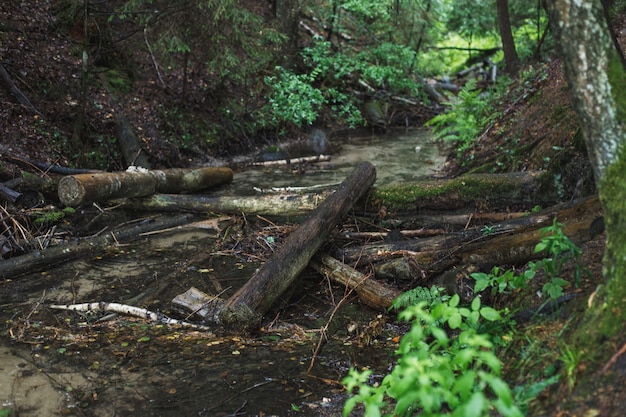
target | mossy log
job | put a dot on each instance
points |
(87, 188)
(284, 204)
(484, 190)
(244, 309)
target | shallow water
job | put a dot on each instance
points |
(58, 362)
(398, 157)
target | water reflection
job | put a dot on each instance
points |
(398, 157)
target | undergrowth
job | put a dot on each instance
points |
(447, 363)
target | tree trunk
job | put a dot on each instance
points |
(485, 190)
(87, 188)
(267, 204)
(244, 308)
(511, 59)
(597, 81)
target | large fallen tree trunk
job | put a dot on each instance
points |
(244, 309)
(87, 188)
(581, 222)
(284, 204)
(485, 190)
(374, 251)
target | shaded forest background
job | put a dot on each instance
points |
(204, 80)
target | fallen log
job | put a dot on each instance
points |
(485, 190)
(87, 188)
(285, 204)
(39, 259)
(244, 309)
(581, 221)
(373, 251)
(375, 294)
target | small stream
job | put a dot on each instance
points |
(398, 157)
(66, 363)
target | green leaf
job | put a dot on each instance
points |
(476, 303)
(490, 314)
(455, 320)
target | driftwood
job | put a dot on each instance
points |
(87, 188)
(371, 292)
(582, 221)
(39, 259)
(16, 92)
(129, 310)
(285, 204)
(301, 160)
(375, 294)
(244, 309)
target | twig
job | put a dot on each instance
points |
(156, 66)
(613, 359)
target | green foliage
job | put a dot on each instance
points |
(437, 375)
(431, 296)
(294, 99)
(501, 280)
(53, 216)
(464, 119)
(571, 360)
(559, 250)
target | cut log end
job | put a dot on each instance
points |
(239, 317)
(72, 192)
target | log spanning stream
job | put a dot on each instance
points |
(97, 364)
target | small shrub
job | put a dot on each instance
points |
(437, 375)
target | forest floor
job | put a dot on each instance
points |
(536, 130)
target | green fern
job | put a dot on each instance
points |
(464, 120)
(432, 296)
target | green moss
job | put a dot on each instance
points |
(468, 188)
(613, 195)
(617, 79)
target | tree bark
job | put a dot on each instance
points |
(485, 190)
(597, 81)
(581, 223)
(511, 59)
(290, 204)
(244, 309)
(375, 294)
(87, 188)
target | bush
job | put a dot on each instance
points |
(437, 375)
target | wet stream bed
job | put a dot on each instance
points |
(98, 364)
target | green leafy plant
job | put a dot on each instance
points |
(559, 250)
(571, 359)
(437, 375)
(294, 99)
(500, 280)
(462, 122)
(432, 296)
